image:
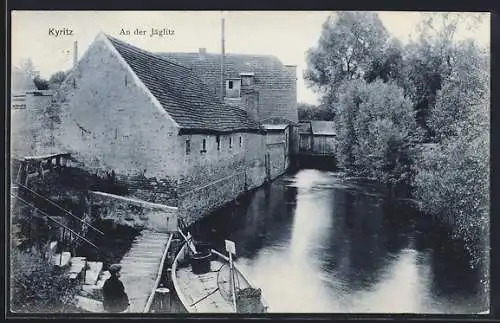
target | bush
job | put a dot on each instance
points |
(376, 127)
(38, 287)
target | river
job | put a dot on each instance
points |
(316, 242)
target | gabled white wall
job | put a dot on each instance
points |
(111, 121)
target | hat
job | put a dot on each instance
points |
(113, 269)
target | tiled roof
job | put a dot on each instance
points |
(182, 94)
(305, 127)
(271, 127)
(269, 71)
(325, 128)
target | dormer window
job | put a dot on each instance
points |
(233, 87)
(204, 146)
(247, 79)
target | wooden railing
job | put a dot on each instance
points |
(72, 233)
(158, 276)
(62, 209)
(54, 220)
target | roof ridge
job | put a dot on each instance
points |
(192, 105)
(145, 51)
(226, 53)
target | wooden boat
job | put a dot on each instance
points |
(220, 288)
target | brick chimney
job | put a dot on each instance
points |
(292, 69)
(202, 52)
(75, 54)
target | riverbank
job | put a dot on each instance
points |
(348, 249)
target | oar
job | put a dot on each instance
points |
(189, 243)
(212, 292)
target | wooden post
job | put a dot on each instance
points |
(58, 164)
(85, 271)
(40, 168)
(62, 245)
(231, 271)
(18, 177)
(231, 248)
(26, 173)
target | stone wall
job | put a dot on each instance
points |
(277, 160)
(255, 160)
(250, 101)
(134, 213)
(213, 177)
(277, 150)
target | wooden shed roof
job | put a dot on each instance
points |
(323, 128)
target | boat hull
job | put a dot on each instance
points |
(199, 293)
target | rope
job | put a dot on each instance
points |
(61, 208)
(51, 218)
(214, 271)
(204, 297)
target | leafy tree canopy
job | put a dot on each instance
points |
(314, 112)
(56, 79)
(349, 43)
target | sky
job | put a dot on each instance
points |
(285, 34)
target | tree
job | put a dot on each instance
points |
(390, 65)
(459, 108)
(41, 84)
(376, 128)
(348, 44)
(452, 180)
(56, 79)
(29, 68)
(429, 57)
(314, 112)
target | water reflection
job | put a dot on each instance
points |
(317, 243)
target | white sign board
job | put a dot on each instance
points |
(230, 247)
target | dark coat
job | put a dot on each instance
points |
(115, 298)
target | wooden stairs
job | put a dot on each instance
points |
(140, 267)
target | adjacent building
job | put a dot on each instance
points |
(161, 124)
(261, 85)
(317, 137)
(27, 113)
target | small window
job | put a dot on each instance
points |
(230, 142)
(188, 146)
(240, 141)
(230, 84)
(116, 133)
(218, 142)
(204, 146)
